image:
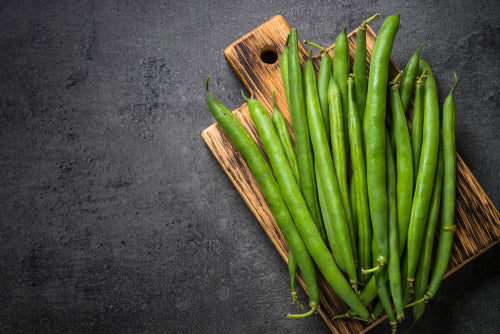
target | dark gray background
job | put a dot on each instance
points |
(115, 217)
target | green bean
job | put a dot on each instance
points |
(406, 87)
(338, 140)
(417, 124)
(359, 67)
(292, 269)
(341, 70)
(330, 184)
(375, 134)
(404, 271)
(394, 252)
(424, 264)
(286, 142)
(408, 80)
(284, 69)
(296, 104)
(299, 210)
(270, 189)
(404, 164)
(359, 172)
(323, 81)
(284, 136)
(329, 221)
(426, 173)
(382, 291)
(448, 201)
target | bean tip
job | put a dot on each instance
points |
(206, 83)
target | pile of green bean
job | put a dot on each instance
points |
(371, 235)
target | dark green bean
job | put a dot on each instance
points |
(330, 184)
(394, 253)
(323, 82)
(338, 140)
(303, 146)
(404, 164)
(341, 70)
(286, 142)
(299, 210)
(279, 123)
(426, 172)
(408, 80)
(375, 134)
(359, 172)
(417, 124)
(325, 69)
(359, 67)
(382, 291)
(270, 189)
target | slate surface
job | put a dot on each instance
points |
(115, 217)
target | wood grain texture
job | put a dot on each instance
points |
(477, 219)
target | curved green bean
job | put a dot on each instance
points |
(270, 189)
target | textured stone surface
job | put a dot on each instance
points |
(115, 217)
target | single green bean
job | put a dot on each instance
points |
(323, 81)
(404, 165)
(394, 252)
(325, 69)
(375, 134)
(338, 138)
(426, 173)
(359, 67)
(279, 123)
(270, 189)
(299, 210)
(292, 270)
(341, 70)
(303, 146)
(408, 80)
(359, 172)
(382, 291)
(284, 69)
(417, 125)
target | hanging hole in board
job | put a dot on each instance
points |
(268, 54)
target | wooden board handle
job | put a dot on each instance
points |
(260, 75)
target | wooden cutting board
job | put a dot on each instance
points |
(256, 60)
